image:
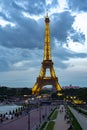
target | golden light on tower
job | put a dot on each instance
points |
(59, 94)
(47, 63)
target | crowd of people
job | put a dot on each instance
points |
(67, 117)
(12, 114)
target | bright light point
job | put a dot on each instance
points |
(59, 94)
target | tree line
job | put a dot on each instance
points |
(6, 92)
(80, 93)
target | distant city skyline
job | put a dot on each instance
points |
(22, 29)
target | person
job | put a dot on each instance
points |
(60, 111)
(43, 117)
(65, 117)
(70, 127)
(1, 119)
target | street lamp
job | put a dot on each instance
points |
(39, 108)
(46, 110)
(39, 112)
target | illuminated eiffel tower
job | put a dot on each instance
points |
(47, 63)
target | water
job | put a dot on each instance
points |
(7, 108)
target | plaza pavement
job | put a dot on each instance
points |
(80, 118)
(60, 123)
(21, 123)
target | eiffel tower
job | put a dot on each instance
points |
(47, 63)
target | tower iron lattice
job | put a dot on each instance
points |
(47, 63)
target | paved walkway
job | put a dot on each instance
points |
(80, 118)
(60, 123)
(22, 122)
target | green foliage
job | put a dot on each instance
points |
(6, 92)
(80, 93)
(80, 110)
(3, 90)
(45, 91)
(55, 96)
(54, 115)
(49, 117)
(9, 92)
(50, 125)
(43, 126)
(75, 123)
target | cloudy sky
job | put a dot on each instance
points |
(22, 40)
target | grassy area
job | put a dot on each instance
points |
(54, 115)
(80, 110)
(43, 126)
(75, 123)
(50, 125)
(51, 114)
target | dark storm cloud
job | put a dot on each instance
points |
(19, 59)
(4, 65)
(78, 37)
(29, 33)
(61, 28)
(61, 55)
(33, 7)
(36, 7)
(80, 5)
(80, 55)
(61, 25)
(53, 4)
(3, 15)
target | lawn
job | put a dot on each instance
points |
(75, 123)
(80, 110)
(50, 125)
(54, 115)
(43, 126)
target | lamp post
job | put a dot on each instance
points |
(39, 108)
(27, 102)
(39, 112)
(46, 110)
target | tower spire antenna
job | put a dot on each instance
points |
(47, 12)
